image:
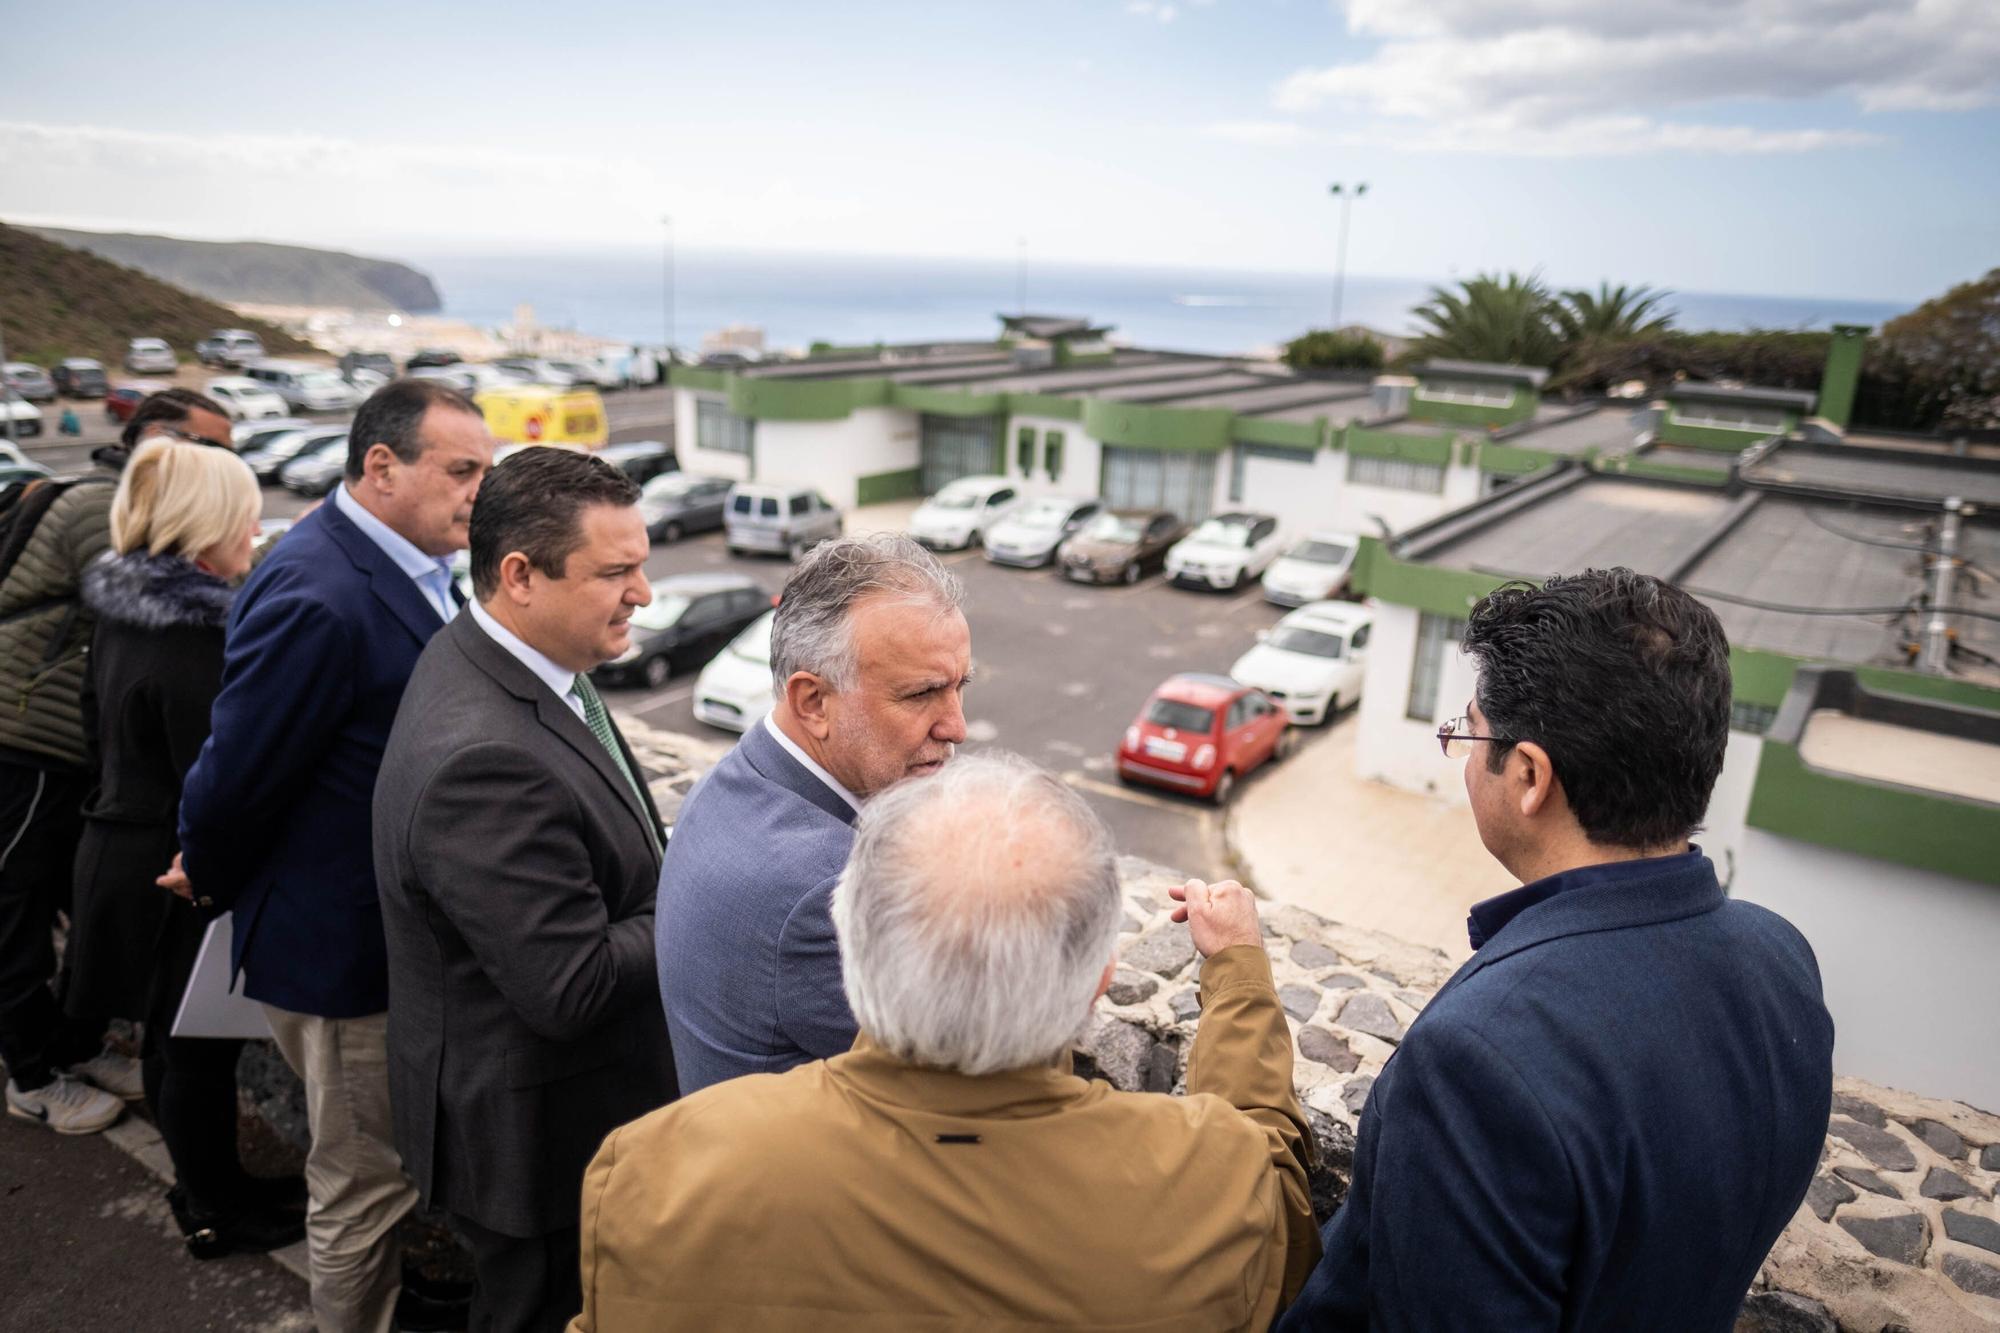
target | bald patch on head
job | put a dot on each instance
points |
(976, 862)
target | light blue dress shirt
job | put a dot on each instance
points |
(431, 574)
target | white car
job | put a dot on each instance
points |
(1225, 551)
(1312, 569)
(962, 511)
(150, 356)
(245, 399)
(470, 377)
(1312, 661)
(24, 416)
(249, 435)
(734, 690)
(1030, 534)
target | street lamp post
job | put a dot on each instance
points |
(667, 352)
(1347, 198)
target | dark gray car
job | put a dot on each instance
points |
(682, 502)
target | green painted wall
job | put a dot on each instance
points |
(1045, 405)
(1519, 408)
(1626, 465)
(947, 402)
(1946, 834)
(1673, 431)
(695, 377)
(1286, 434)
(805, 400)
(1445, 592)
(887, 486)
(1193, 429)
(1843, 372)
(1511, 460)
(1435, 449)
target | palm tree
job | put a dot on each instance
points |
(1491, 318)
(1611, 314)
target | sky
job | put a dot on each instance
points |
(1830, 148)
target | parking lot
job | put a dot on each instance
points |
(1062, 668)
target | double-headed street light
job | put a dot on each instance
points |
(1347, 198)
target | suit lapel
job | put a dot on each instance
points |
(393, 588)
(774, 764)
(555, 715)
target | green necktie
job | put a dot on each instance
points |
(598, 719)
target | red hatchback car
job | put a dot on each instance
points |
(122, 402)
(1200, 734)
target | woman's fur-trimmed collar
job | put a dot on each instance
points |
(156, 591)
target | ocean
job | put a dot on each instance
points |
(800, 299)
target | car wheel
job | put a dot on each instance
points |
(672, 533)
(1223, 786)
(657, 670)
(1132, 572)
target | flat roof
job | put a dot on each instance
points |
(1285, 391)
(1806, 562)
(1686, 455)
(1886, 752)
(1898, 474)
(1605, 428)
(1008, 369)
(1446, 368)
(1083, 379)
(840, 367)
(1748, 394)
(1169, 393)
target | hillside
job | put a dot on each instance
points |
(258, 273)
(57, 302)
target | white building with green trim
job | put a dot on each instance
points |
(1056, 407)
(1860, 796)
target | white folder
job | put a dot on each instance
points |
(212, 1007)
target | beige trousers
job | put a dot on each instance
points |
(356, 1188)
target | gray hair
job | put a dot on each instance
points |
(976, 915)
(813, 630)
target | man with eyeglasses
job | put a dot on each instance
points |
(1607, 1116)
(59, 1073)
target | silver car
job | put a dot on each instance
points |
(777, 520)
(150, 356)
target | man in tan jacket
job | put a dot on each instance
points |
(950, 1171)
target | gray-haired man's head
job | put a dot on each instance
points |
(977, 917)
(869, 654)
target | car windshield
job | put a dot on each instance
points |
(664, 611)
(754, 643)
(1043, 514)
(320, 380)
(1223, 532)
(1319, 553)
(951, 499)
(672, 486)
(1180, 716)
(1299, 639)
(1115, 528)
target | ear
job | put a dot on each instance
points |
(515, 576)
(808, 698)
(1532, 779)
(378, 465)
(1104, 981)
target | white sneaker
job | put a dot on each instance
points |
(67, 1105)
(117, 1074)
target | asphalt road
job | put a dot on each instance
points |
(1062, 669)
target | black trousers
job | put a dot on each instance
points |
(41, 822)
(527, 1285)
(191, 1088)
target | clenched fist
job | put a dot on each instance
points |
(1220, 915)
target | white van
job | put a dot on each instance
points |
(307, 387)
(777, 519)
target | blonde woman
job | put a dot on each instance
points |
(183, 523)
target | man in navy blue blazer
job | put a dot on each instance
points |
(869, 655)
(1606, 1117)
(276, 813)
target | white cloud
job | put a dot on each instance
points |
(1267, 133)
(1559, 76)
(1152, 9)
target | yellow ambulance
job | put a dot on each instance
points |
(537, 414)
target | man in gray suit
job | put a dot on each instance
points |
(869, 654)
(517, 852)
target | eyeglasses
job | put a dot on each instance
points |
(1455, 737)
(192, 438)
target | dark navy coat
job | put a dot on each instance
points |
(276, 813)
(1603, 1120)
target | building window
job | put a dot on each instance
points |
(1433, 633)
(1024, 450)
(1753, 718)
(1236, 475)
(1723, 416)
(1395, 473)
(717, 428)
(1052, 450)
(1466, 393)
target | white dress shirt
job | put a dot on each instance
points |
(558, 680)
(792, 748)
(431, 574)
